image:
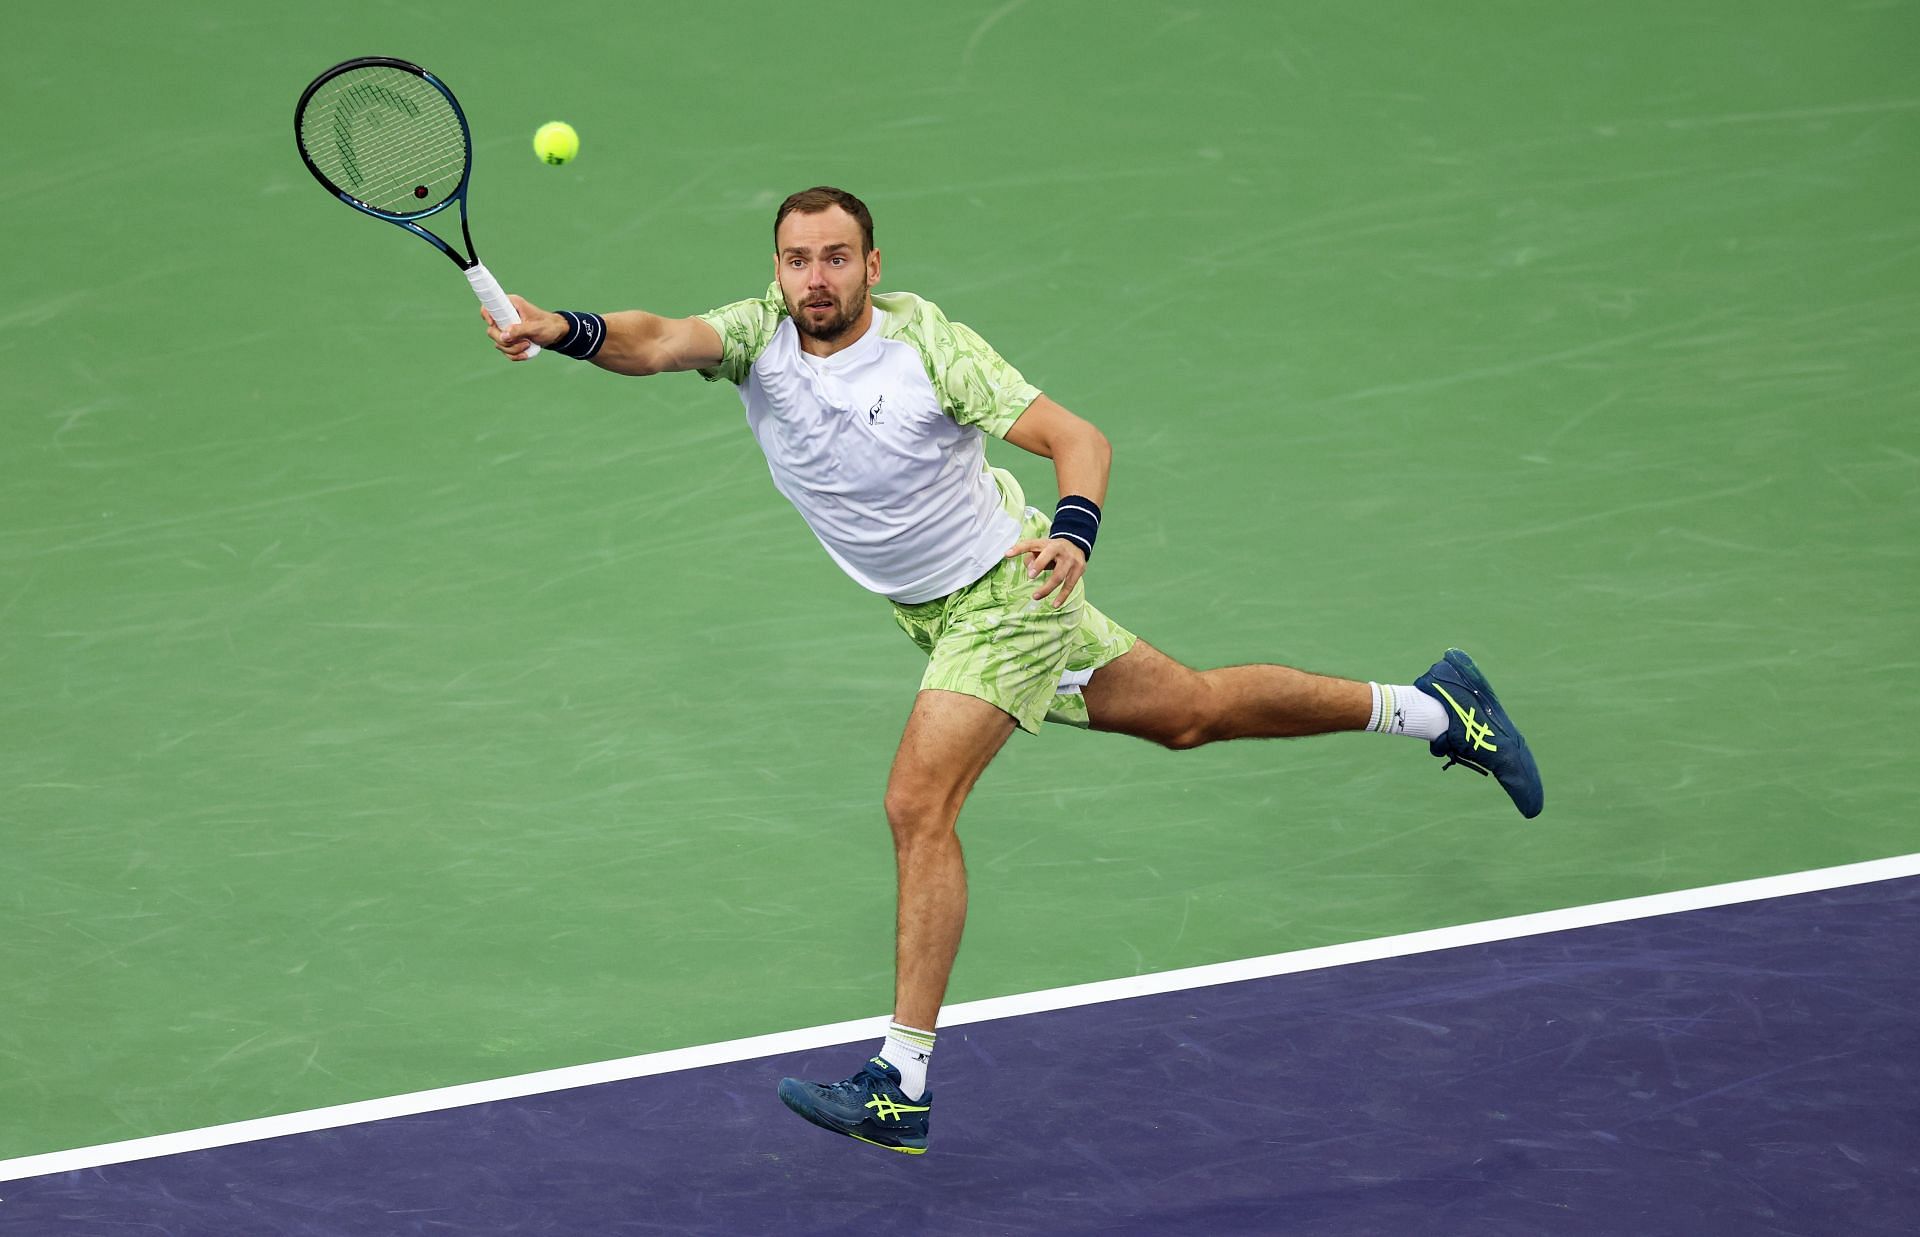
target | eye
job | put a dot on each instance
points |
(839, 260)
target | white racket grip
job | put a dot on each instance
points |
(488, 289)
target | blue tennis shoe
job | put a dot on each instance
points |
(1480, 735)
(869, 1106)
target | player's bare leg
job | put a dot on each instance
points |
(949, 741)
(1145, 693)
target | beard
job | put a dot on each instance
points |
(834, 323)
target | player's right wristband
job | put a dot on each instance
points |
(585, 334)
(1077, 519)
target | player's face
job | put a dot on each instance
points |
(824, 276)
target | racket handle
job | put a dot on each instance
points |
(488, 289)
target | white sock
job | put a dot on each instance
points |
(908, 1049)
(1406, 710)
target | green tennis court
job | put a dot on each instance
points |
(379, 716)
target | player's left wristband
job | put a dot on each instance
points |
(1077, 519)
(585, 334)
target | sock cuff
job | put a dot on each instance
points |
(913, 1037)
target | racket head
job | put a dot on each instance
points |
(386, 137)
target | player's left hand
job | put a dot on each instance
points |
(1063, 561)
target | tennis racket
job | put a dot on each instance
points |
(388, 138)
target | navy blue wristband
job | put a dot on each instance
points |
(1077, 519)
(585, 334)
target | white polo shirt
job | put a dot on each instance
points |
(880, 446)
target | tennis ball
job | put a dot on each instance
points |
(556, 142)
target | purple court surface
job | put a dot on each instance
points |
(1750, 1069)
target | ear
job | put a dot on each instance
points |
(873, 268)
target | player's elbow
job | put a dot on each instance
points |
(642, 365)
(626, 364)
(638, 344)
(1092, 445)
(642, 357)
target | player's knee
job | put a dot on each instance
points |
(915, 811)
(1190, 715)
(1185, 738)
(1188, 732)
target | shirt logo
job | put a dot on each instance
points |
(873, 413)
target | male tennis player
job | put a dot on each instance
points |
(873, 410)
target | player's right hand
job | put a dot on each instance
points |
(536, 326)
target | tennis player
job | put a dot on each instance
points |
(873, 410)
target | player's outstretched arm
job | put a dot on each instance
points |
(637, 342)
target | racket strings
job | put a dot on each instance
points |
(387, 137)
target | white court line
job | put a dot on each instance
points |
(959, 1015)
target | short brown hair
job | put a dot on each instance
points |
(825, 197)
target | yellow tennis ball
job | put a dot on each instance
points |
(556, 142)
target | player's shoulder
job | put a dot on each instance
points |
(906, 313)
(914, 320)
(746, 329)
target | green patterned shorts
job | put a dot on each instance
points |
(991, 639)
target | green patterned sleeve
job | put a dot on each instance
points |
(744, 327)
(975, 384)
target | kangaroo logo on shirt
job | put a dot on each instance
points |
(873, 413)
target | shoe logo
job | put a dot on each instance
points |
(1478, 732)
(886, 1108)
